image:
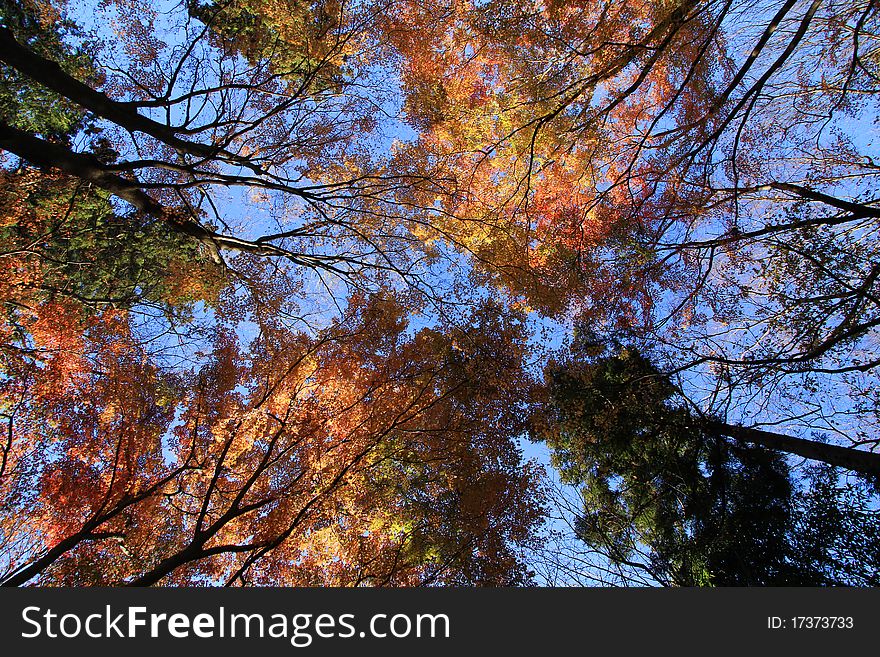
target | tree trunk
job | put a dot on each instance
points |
(843, 457)
(48, 155)
(51, 75)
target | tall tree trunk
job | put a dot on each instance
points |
(844, 457)
(48, 155)
(51, 75)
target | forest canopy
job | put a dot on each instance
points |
(299, 292)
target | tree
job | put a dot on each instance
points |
(63, 237)
(670, 493)
(836, 530)
(292, 452)
(291, 126)
(359, 456)
(681, 172)
(280, 219)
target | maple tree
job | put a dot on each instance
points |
(351, 454)
(364, 455)
(682, 171)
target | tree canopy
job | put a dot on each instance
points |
(286, 286)
(684, 498)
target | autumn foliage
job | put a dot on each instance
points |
(279, 280)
